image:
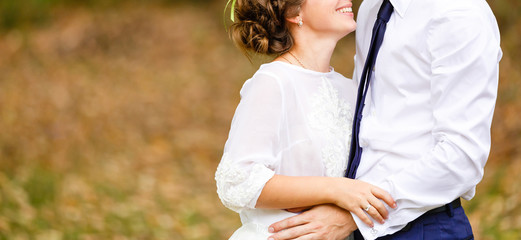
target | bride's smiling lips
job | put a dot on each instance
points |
(347, 9)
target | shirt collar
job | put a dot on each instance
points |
(400, 6)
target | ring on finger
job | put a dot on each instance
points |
(367, 207)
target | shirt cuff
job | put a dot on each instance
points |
(379, 230)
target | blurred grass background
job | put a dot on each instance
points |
(113, 116)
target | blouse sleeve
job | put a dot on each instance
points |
(253, 145)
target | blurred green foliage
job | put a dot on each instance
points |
(23, 13)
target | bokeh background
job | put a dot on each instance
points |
(113, 116)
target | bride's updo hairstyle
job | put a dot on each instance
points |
(260, 25)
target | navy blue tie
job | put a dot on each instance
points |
(355, 152)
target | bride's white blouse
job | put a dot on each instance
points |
(290, 121)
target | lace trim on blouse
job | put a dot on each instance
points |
(332, 116)
(239, 189)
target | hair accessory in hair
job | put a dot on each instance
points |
(232, 9)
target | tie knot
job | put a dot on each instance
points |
(385, 11)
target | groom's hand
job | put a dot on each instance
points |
(327, 222)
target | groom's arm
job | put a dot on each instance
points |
(327, 222)
(465, 54)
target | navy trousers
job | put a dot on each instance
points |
(449, 225)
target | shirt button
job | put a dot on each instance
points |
(374, 231)
(363, 143)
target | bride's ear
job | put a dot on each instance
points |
(297, 20)
(294, 20)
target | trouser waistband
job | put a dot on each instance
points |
(448, 208)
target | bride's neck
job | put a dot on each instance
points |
(314, 53)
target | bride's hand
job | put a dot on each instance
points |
(360, 198)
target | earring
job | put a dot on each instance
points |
(300, 23)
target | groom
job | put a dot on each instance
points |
(425, 131)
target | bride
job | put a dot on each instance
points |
(289, 140)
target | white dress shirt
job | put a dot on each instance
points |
(290, 121)
(425, 130)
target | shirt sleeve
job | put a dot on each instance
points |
(465, 54)
(250, 153)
